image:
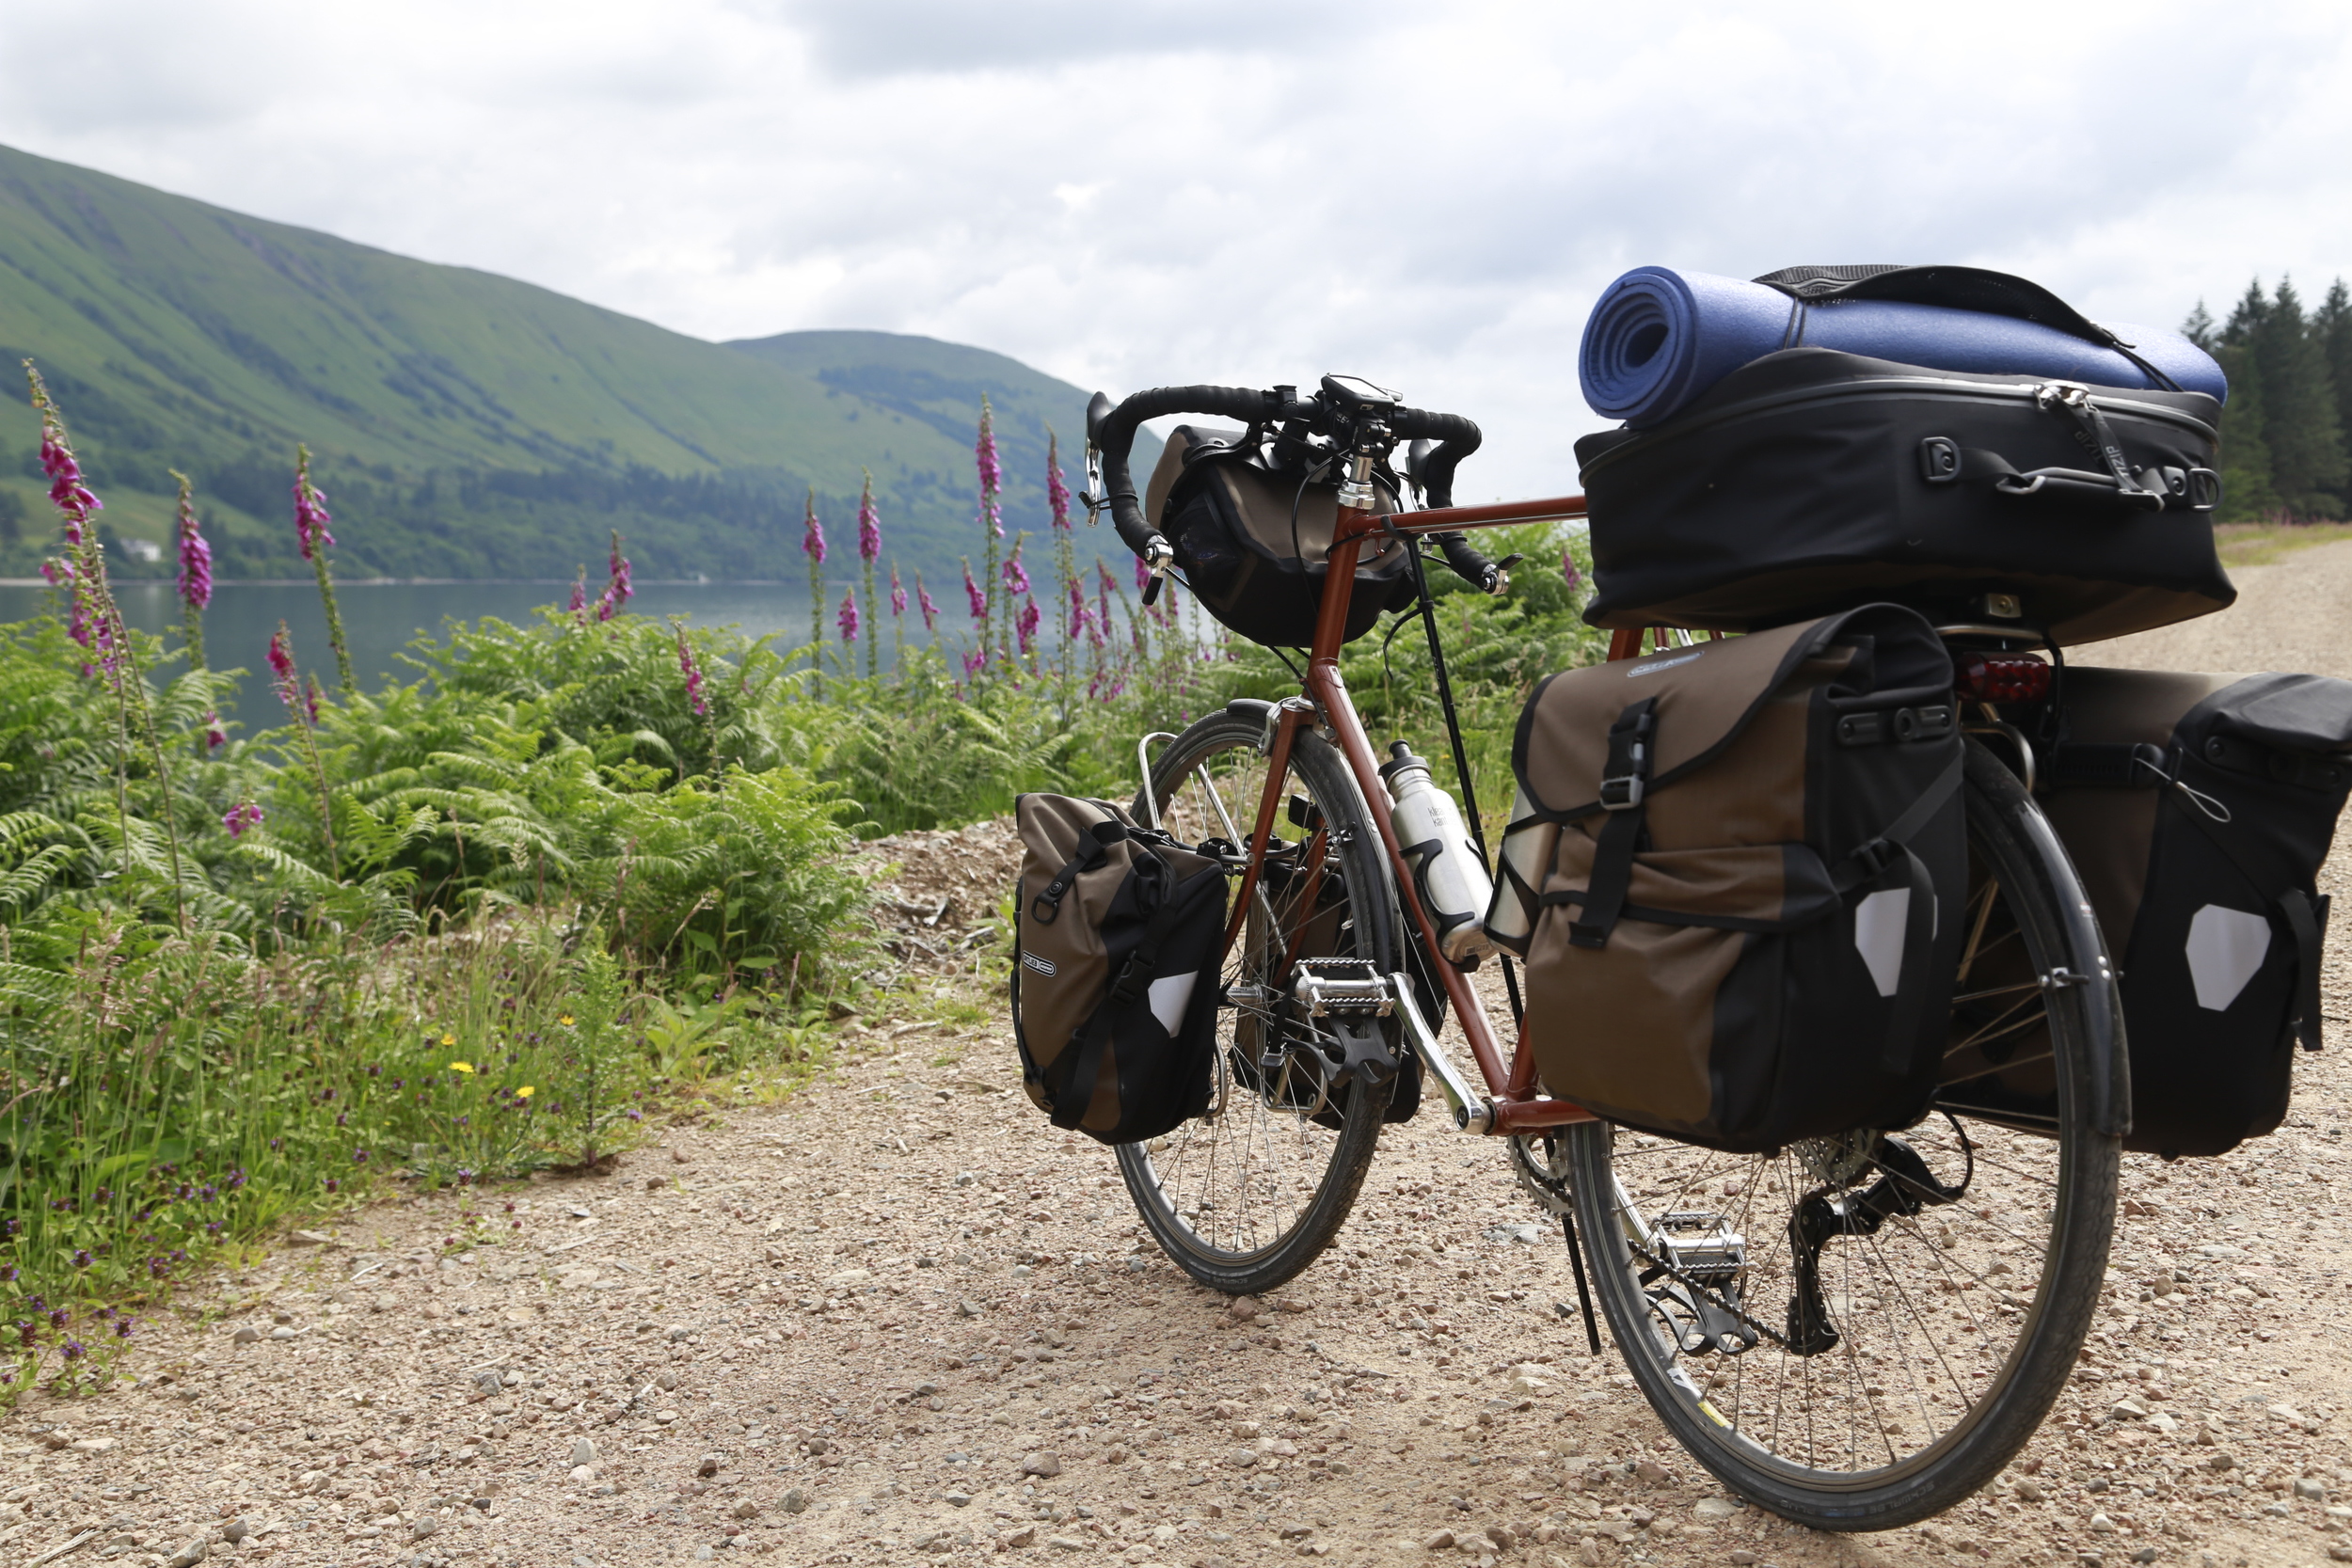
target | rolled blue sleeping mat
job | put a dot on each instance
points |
(1660, 338)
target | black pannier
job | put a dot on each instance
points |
(1810, 479)
(2197, 809)
(1251, 538)
(1735, 872)
(1114, 975)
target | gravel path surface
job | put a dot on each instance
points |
(896, 1319)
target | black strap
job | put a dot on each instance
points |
(1623, 790)
(2308, 921)
(1889, 857)
(1133, 982)
(1046, 907)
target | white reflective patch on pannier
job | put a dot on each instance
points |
(2225, 949)
(1169, 996)
(1879, 925)
(1044, 966)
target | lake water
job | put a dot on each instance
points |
(380, 619)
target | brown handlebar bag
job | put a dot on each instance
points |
(1735, 875)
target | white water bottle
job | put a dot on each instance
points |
(1447, 871)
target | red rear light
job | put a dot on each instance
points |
(1988, 678)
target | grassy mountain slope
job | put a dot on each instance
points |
(465, 424)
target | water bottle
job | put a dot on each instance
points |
(1511, 920)
(1447, 871)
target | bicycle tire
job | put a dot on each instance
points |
(1346, 1153)
(2018, 862)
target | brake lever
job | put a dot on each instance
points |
(1499, 583)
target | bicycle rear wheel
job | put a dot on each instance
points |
(1860, 1331)
(1245, 1195)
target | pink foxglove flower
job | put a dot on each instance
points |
(67, 491)
(974, 663)
(310, 701)
(579, 606)
(972, 592)
(1026, 624)
(1081, 618)
(195, 559)
(813, 534)
(1016, 577)
(1143, 574)
(310, 515)
(694, 698)
(923, 602)
(1057, 493)
(244, 814)
(898, 595)
(992, 471)
(868, 524)
(1568, 569)
(617, 587)
(1103, 583)
(847, 618)
(282, 674)
(215, 737)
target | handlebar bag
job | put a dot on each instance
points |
(1252, 540)
(1750, 861)
(1810, 479)
(2197, 809)
(1114, 976)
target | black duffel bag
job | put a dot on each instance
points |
(1809, 481)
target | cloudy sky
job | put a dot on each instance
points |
(1132, 192)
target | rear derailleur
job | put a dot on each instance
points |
(1905, 1186)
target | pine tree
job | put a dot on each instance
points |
(2198, 328)
(2333, 326)
(2246, 495)
(2299, 424)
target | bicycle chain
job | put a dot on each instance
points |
(1713, 1296)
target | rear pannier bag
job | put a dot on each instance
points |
(1252, 539)
(1810, 479)
(2197, 809)
(1114, 975)
(1734, 872)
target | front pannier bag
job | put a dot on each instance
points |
(1747, 858)
(1811, 480)
(2197, 809)
(1114, 975)
(1253, 539)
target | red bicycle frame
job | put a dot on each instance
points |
(1513, 1105)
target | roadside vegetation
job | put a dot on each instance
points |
(573, 876)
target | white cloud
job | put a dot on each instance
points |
(1155, 192)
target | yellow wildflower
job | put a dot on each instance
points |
(523, 1093)
(449, 1040)
(461, 1066)
(565, 1019)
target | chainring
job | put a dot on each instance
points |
(1542, 1171)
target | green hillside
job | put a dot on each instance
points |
(465, 425)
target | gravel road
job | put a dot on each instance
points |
(896, 1319)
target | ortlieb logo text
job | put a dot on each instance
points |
(1044, 966)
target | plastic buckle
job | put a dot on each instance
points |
(1624, 792)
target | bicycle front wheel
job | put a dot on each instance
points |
(1245, 1195)
(1857, 1332)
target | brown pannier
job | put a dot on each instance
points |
(2197, 809)
(1733, 873)
(1114, 982)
